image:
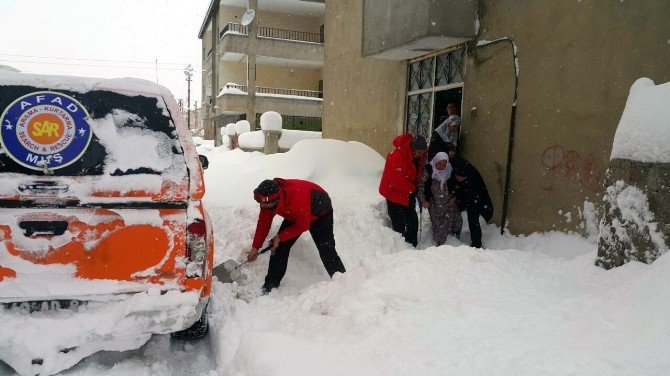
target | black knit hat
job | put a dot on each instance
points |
(419, 143)
(267, 191)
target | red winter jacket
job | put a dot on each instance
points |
(295, 205)
(400, 174)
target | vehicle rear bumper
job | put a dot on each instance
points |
(59, 340)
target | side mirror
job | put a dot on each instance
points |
(203, 161)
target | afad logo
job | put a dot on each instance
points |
(45, 130)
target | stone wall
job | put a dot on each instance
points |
(636, 224)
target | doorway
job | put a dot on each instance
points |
(442, 99)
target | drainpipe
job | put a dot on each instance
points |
(512, 123)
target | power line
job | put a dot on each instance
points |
(82, 59)
(89, 65)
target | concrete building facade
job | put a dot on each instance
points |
(541, 87)
(274, 62)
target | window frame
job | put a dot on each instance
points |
(433, 89)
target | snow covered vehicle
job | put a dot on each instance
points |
(104, 240)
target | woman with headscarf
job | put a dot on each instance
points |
(444, 214)
(446, 134)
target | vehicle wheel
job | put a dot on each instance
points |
(197, 330)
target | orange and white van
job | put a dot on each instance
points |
(104, 240)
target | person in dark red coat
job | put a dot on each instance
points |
(399, 183)
(304, 206)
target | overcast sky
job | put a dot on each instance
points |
(105, 38)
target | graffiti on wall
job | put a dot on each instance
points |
(568, 167)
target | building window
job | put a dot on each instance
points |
(432, 83)
(421, 74)
(418, 113)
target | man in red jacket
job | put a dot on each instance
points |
(304, 206)
(399, 183)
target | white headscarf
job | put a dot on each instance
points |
(441, 175)
(443, 128)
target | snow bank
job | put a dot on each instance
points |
(643, 133)
(454, 310)
(527, 306)
(288, 138)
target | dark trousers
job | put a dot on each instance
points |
(322, 233)
(481, 205)
(404, 220)
(473, 223)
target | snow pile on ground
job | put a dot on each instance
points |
(288, 138)
(524, 306)
(643, 133)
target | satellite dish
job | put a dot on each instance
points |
(247, 17)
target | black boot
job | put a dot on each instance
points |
(267, 288)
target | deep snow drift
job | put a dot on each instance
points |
(524, 306)
(531, 305)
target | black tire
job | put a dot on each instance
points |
(197, 330)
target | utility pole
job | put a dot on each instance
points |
(189, 74)
(196, 123)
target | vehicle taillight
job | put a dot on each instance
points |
(196, 248)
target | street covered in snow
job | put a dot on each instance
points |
(524, 305)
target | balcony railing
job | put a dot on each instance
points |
(278, 91)
(234, 28)
(295, 92)
(235, 86)
(300, 36)
(273, 33)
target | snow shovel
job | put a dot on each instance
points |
(229, 271)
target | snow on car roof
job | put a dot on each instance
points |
(126, 86)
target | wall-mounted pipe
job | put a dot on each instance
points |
(512, 124)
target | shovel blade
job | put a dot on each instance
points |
(227, 272)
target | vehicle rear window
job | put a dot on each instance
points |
(129, 134)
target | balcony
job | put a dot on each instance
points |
(271, 42)
(233, 99)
